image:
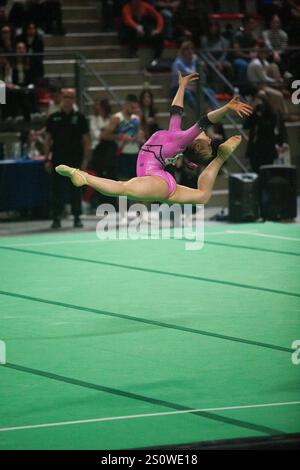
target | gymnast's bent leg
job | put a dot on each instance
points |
(207, 178)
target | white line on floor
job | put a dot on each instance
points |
(66, 242)
(224, 232)
(147, 415)
(266, 235)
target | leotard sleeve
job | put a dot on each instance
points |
(204, 123)
(175, 120)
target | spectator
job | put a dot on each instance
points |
(5, 70)
(7, 41)
(244, 39)
(35, 45)
(186, 63)
(263, 141)
(142, 24)
(6, 77)
(33, 147)
(104, 161)
(265, 76)
(21, 70)
(217, 46)
(276, 39)
(124, 129)
(55, 103)
(55, 99)
(99, 120)
(190, 20)
(22, 92)
(168, 8)
(149, 123)
(67, 140)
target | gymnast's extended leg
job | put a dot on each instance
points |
(148, 188)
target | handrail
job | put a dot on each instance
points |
(100, 79)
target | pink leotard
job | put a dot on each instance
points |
(163, 148)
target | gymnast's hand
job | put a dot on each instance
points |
(183, 81)
(238, 107)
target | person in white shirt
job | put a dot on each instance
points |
(263, 75)
(124, 129)
(276, 41)
(99, 120)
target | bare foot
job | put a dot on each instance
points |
(77, 176)
(226, 149)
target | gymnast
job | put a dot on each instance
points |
(153, 182)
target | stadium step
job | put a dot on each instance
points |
(113, 79)
(81, 39)
(77, 26)
(81, 12)
(90, 52)
(122, 91)
(79, 3)
(58, 66)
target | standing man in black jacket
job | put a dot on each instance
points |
(68, 140)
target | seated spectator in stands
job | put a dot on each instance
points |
(245, 38)
(267, 133)
(263, 75)
(167, 8)
(21, 67)
(7, 41)
(23, 87)
(34, 145)
(186, 63)
(53, 17)
(5, 70)
(141, 23)
(276, 40)
(99, 120)
(190, 20)
(149, 122)
(217, 46)
(35, 45)
(228, 34)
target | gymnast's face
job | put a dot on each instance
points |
(202, 145)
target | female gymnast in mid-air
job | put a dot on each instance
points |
(153, 182)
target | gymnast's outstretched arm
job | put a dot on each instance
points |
(234, 105)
